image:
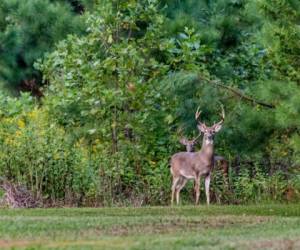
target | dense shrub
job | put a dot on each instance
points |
(37, 152)
(116, 98)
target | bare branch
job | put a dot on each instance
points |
(238, 93)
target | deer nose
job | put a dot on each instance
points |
(210, 137)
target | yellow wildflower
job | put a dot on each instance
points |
(33, 114)
(18, 133)
(21, 123)
(56, 156)
(9, 141)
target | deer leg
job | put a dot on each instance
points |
(197, 189)
(181, 184)
(207, 182)
(174, 184)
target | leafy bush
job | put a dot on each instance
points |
(38, 153)
(117, 96)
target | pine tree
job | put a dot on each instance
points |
(28, 29)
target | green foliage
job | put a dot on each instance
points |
(109, 77)
(281, 35)
(38, 153)
(116, 97)
(28, 29)
(280, 38)
(222, 23)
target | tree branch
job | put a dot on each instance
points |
(238, 93)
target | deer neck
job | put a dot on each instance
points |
(207, 148)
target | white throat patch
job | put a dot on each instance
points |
(209, 142)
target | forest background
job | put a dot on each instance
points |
(95, 96)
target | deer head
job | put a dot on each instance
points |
(209, 132)
(189, 144)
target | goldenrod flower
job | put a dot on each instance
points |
(21, 123)
(18, 133)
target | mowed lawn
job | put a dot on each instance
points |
(187, 227)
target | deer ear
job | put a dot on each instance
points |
(183, 141)
(217, 128)
(202, 127)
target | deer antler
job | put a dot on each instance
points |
(197, 114)
(182, 139)
(196, 138)
(222, 117)
(179, 131)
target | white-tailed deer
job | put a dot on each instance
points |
(190, 147)
(192, 165)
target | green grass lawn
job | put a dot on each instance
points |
(214, 227)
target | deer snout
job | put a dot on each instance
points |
(210, 137)
(190, 148)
